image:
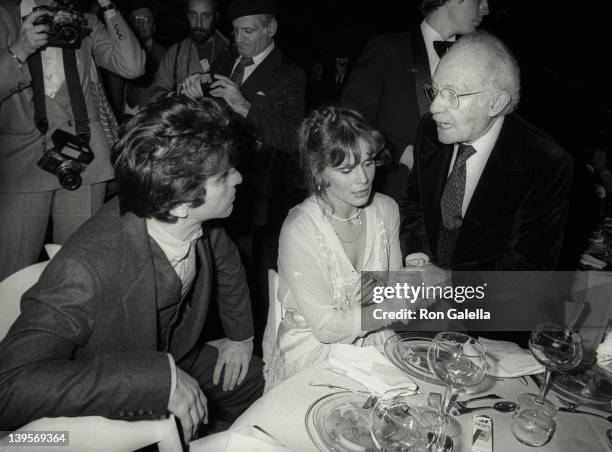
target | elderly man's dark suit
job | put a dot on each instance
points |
(386, 86)
(94, 332)
(275, 90)
(515, 219)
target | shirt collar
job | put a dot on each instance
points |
(260, 57)
(174, 248)
(430, 34)
(485, 143)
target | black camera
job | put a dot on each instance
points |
(67, 160)
(67, 25)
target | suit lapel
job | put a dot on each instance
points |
(434, 164)
(189, 329)
(140, 300)
(497, 190)
(264, 77)
(422, 71)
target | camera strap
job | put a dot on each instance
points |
(75, 93)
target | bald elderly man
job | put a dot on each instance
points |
(488, 191)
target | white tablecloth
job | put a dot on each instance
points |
(282, 411)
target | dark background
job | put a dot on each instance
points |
(562, 48)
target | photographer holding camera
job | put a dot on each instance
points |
(54, 158)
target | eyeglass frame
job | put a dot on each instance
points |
(436, 91)
(143, 19)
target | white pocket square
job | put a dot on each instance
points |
(260, 93)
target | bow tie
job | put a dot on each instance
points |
(442, 47)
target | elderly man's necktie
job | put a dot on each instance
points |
(450, 206)
(238, 73)
(441, 47)
(452, 196)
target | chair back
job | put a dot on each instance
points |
(275, 315)
(96, 433)
(92, 433)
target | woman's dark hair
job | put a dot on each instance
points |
(168, 151)
(329, 138)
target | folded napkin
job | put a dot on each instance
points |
(509, 360)
(367, 366)
(239, 439)
(604, 352)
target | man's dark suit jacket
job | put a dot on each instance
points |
(512, 230)
(515, 218)
(276, 91)
(386, 86)
(87, 341)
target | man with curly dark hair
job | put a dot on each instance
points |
(113, 327)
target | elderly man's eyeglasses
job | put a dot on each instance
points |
(449, 96)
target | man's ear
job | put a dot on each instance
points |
(272, 27)
(499, 102)
(180, 211)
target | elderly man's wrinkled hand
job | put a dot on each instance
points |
(192, 85)
(230, 92)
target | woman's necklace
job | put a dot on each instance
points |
(353, 220)
(356, 216)
(353, 239)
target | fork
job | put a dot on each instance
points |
(326, 385)
(573, 405)
(257, 427)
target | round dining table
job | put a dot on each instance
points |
(281, 413)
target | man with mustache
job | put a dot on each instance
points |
(386, 84)
(189, 63)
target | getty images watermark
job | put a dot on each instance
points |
(431, 299)
(422, 297)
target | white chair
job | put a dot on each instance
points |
(275, 315)
(91, 433)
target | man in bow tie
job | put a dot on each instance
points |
(387, 79)
(488, 191)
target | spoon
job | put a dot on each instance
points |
(574, 410)
(464, 403)
(504, 406)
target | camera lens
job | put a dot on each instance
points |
(68, 176)
(68, 34)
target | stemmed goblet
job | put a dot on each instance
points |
(559, 349)
(458, 360)
(403, 421)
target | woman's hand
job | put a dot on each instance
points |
(417, 260)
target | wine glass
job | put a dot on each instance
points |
(458, 360)
(402, 421)
(559, 349)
